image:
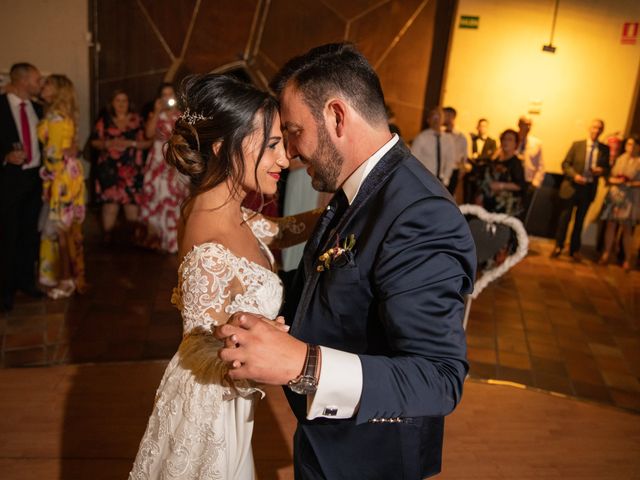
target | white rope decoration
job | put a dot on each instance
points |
(492, 219)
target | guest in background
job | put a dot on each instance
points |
(119, 136)
(20, 184)
(585, 162)
(299, 197)
(164, 188)
(530, 152)
(435, 148)
(504, 181)
(460, 146)
(622, 204)
(61, 249)
(483, 148)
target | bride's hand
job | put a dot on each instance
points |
(278, 323)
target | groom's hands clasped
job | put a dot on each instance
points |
(260, 350)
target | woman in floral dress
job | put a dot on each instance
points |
(164, 188)
(119, 136)
(622, 204)
(61, 250)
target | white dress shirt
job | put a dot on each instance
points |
(532, 160)
(460, 147)
(424, 149)
(14, 104)
(340, 382)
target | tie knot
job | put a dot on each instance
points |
(23, 104)
(339, 201)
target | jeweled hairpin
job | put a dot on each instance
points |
(192, 117)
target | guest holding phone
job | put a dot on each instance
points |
(164, 188)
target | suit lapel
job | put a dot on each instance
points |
(371, 184)
(581, 152)
(6, 112)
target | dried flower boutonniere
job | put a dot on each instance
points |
(337, 256)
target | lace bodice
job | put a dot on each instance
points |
(214, 283)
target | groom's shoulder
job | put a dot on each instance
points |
(410, 181)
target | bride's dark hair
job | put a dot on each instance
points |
(217, 109)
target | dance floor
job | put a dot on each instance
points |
(565, 327)
(85, 421)
(554, 388)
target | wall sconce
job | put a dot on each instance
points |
(550, 47)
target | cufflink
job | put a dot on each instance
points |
(330, 411)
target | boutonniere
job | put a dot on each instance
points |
(337, 256)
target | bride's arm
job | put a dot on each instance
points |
(283, 232)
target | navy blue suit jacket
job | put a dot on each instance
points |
(398, 304)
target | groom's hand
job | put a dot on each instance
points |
(260, 351)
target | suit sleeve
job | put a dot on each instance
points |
(568, 163)
(424, 268)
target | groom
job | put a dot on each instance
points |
(376, 353)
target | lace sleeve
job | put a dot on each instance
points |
(208, 284)
(283, 232)
(263, 227)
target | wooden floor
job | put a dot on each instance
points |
(85, 422)
(571, 328)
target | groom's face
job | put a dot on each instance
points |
(309, 140)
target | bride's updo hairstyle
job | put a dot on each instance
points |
(219, 112)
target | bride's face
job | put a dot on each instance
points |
(271, 164)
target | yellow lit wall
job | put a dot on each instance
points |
(499, 71)
(52, 35)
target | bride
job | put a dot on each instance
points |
(227, 142)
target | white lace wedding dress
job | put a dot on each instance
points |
(202, 423)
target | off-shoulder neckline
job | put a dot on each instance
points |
(224, 247)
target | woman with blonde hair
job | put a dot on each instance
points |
(61, 250)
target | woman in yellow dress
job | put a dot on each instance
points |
(61, 250)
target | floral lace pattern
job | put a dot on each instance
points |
(196, 407)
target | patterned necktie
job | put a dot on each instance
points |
(26, 132)
(326, 223)
(587, 169)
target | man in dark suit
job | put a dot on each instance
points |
(585, 162)
(20, 184)
(377, 355)
(483, 148)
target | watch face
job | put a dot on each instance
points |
(303, 385)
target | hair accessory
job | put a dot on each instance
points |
(192, 117)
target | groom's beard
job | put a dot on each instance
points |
(326, 162)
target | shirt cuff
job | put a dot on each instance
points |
(339, 386)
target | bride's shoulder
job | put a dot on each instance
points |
(209, 251)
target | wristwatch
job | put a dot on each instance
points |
(307, 381)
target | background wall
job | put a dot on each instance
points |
(143, 42)
(52, 35)
(499, 71)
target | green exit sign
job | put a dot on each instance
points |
(469, 21)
